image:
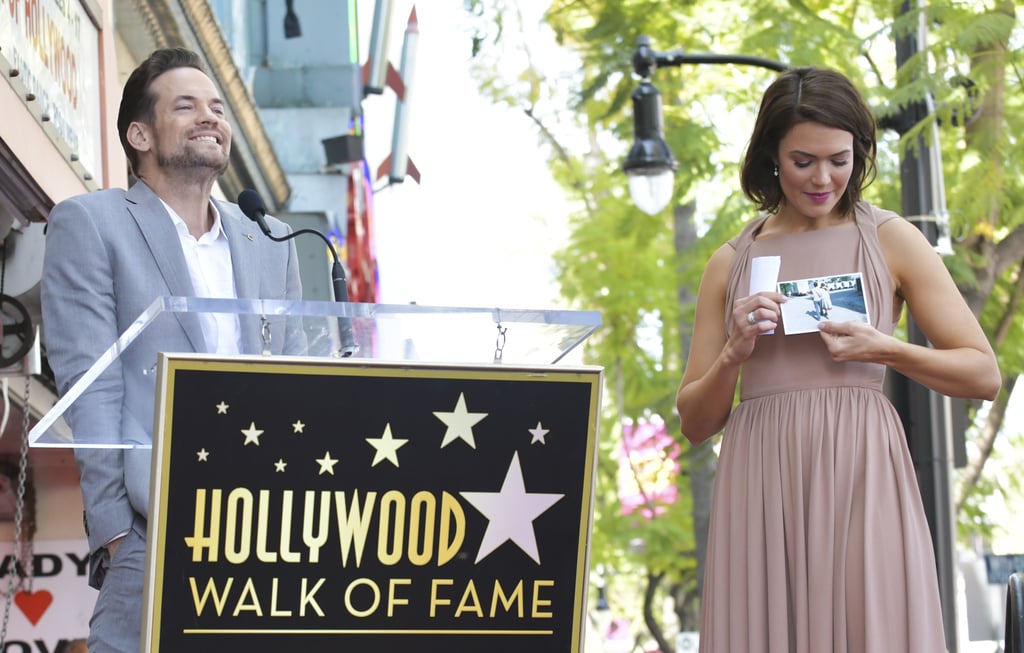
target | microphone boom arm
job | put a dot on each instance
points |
(252, 206)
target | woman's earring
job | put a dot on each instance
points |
(776, 171)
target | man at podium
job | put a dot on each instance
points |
(109, 255)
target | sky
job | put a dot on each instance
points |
(480, 227)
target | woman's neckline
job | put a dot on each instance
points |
(758, 236)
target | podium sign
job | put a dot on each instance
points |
(324, 505)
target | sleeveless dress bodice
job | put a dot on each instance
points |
(818, 540)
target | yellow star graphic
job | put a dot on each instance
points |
(280, 465)
(222, 408)
(327, 464)
(203, 455)
(387, 447)
(460, 423)
(252, 434)
(298, 426)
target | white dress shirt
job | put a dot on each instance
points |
(209, 265)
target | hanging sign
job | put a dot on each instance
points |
(49, 54)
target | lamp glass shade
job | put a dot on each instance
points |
(651, 192)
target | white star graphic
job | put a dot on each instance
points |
(280, 465)
(460, 423)
(298, 426)
(387, 447)
(222, 408)
(203, 455)
(510, 513)
(538, 434)
(327, 464)
(252, 434)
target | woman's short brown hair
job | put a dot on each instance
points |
(801, 95)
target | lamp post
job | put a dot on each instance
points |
(926, 415)
(650, 168)
(650, 165)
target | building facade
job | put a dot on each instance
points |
(64, 63)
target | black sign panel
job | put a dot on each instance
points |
(999, 568)
(363, 506)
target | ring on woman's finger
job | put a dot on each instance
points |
(750, 318)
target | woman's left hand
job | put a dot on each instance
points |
(854, 341)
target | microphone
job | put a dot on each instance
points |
(251, 204)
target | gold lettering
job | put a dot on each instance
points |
(211, 590)
(353, 524)
(287, 555)
(314, 542)
(306, 597)
(201, 539)
(470, 601)
(253, 604)
(393, 600)
(374, 604)
(422, 502)
(434, 599)
(448, 547)
(274, 612)
(262, 526)
(538, 603)
(507, 601)
(392, 555)
(238, 523)
(240, 500)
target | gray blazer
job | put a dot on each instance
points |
(109, 254)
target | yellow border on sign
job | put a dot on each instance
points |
(169, 364)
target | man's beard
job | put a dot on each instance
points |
(190, 159)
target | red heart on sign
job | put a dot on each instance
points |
(33, 604)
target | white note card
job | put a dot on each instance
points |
(764, 275)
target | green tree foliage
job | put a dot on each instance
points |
(642, 272)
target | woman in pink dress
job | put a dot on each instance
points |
(818, 539)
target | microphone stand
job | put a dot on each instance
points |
(338, 281)
(252, 206)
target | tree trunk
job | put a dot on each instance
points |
(700, 461)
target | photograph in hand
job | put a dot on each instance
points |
(837, 298)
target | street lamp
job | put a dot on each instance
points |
(650, 165)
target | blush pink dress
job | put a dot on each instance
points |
(818, 538)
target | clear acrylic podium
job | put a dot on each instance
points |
(317, 329)
(303, 498)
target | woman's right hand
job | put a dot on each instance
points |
(752, 317)
(717, 350)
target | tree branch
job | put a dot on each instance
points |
(1009, 250)
(985, 441)
(653, 581)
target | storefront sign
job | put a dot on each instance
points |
(49, 53)
(51, 601)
